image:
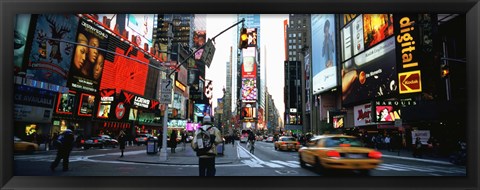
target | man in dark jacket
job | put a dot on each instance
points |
(64, 145)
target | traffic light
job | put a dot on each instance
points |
(444, 70)
(243, 39)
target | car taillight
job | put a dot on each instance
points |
(145, 138)
(82, 141)
(333, 154)
(284, 143)
(95, 141)
(298, 143)
(375, 155)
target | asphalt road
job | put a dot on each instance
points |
(264, 162)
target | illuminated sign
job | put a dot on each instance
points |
(410, 82)
(141, 102)
(87, 102)
(362, 114)
(249, 89)
(409, 78)
(338, 121)
(249, 68)
(180, 86)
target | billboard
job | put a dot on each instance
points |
(199, 39)
(123, 71)
(107, 96)
(376, 28)
(370, 74)
(22, 25)
(49, 60)
(140, 25)
(324, 63)
(362, 115)
(249, 125)
(200, 110)
(252, 37)
(249, 68)
(33, 104)
(307, 83)
(87, 102)
(338, 121)
(249, 89)
(249, 52)
(66, 102)
(88, 62)
(249, 111)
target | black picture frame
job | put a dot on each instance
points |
(9, 8)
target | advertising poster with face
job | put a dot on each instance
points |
(249, 68)
(49, 60)
(370, 74)
(248, 111)
(323, 52)
(107, 96)
(385, 113)
(86, 106)
(88, 62)
(376, 27)
(66, 102)
(249, 89)
(22, 25)
(252, 37)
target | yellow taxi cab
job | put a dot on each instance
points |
(340, 152)
(287, 143)
(24, 146)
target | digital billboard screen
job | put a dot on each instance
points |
(49, 60)
(249, 111)
(87, 102)
(324, 63)
(141, 25)
(22, 26)
(199, 39)
(376, 28)
(249, 68)
(88, 62)
(370, 74)
(252, 37)
(123, 71)
(249, 89)
(66, 102)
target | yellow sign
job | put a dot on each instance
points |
(180, 86)
(410, 82)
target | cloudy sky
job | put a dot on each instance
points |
(272, 40)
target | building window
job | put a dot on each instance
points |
(294, 35)
(294, 58)
(294, 53)
(290, 58)
(299, 21)
(294, 41)
(291, 22)
(300, 46)
(299, 34)
(290, 47)
(290, 41)
(294, 47)
(289, 53)
(289, 35)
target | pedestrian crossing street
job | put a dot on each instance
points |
(383, 167)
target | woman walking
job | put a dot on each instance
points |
(121, 141)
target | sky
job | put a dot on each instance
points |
(272, 39)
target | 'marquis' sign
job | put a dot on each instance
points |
(138, 101)
(409, 77)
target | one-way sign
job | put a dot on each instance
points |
(166, 95)
(167, 85)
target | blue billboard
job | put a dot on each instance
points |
(324, 62)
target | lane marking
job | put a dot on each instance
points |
(391, 168)
(286, 163)
(417, 159)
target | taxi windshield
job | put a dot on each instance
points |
(287, 139)
(339, 141)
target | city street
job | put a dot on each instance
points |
(236, 161)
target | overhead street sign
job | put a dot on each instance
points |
(167, 85)
(165, 98)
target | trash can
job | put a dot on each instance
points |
(152, 146)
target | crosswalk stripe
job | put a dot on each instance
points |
(412, 168)
(252, 163)
(273, 165)
(391, 168)
(286, 163)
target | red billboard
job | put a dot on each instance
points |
(123, 71)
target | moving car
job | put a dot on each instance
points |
(142, 139)
(341, 152)
(24, 146)
(269, 139)
(287, 143)
(100, 141)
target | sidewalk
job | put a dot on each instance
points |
(182, 156)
